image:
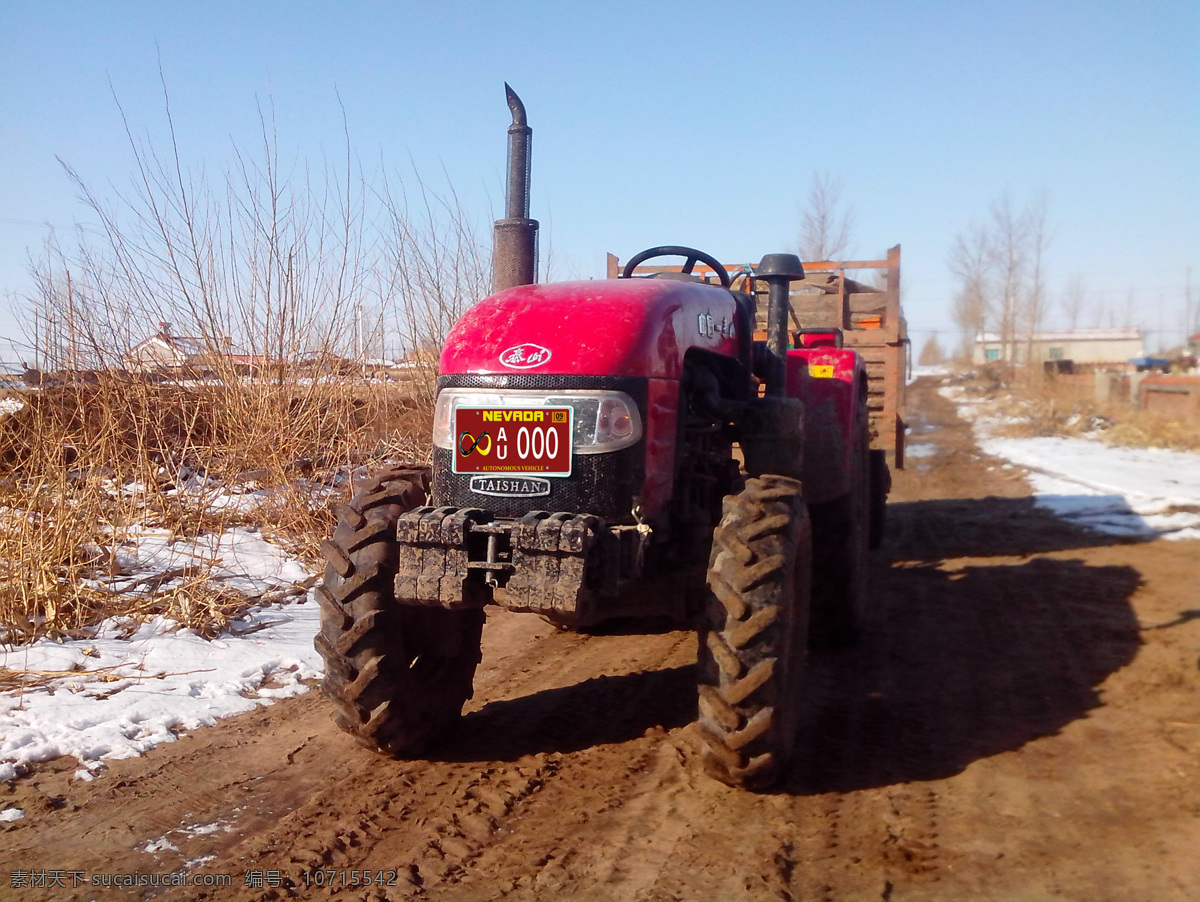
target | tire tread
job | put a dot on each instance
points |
(752, 642)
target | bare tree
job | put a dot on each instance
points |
(262, 259)
(1007, 249)
(1036, 241)
(435, 267)
(1130, 316)
(1000, 267)
(931, 352)
(826, 221)
(971, 263)
(286, 264)
(1074, 299)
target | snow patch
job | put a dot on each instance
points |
(240, 558)
(205, 829)
(130, 686)
(916, 371)
(1133, 492)
(12, 814)
(161, 680)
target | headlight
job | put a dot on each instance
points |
(604, 420)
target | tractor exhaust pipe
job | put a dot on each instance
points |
(514, 241)
(778, 271)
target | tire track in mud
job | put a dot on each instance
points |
(179, 803)
(428, 824)
(601, 803)
(591, 779)
(436, 822)
(326, 802)
(912, 851)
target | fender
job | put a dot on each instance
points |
(828, 381)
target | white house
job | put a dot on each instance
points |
(165, 349)
(1088, 347)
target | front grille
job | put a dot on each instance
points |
(600, 484)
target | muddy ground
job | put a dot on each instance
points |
(1021, 721)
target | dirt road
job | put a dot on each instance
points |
(1021, 721)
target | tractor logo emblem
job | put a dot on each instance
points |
(710, 327)
(525, 356)
(510, 486)
(468, 444)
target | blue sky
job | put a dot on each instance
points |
(697, 123)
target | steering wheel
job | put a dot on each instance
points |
(671, 250)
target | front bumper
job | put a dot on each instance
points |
(562, 565)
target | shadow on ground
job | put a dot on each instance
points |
(961, 661)
(961, 665)
(989, 527)
(597, 711)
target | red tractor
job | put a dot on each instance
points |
(610, 449)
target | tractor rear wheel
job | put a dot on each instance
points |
(753, 640)
(398, 675)
(841, 541)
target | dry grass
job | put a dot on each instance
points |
(296, 271)
(84, 468)
(1141, 429)
(1049, 407)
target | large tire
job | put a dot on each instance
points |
(841, 540)
(881, 485)
(398, 675)
(753, 640)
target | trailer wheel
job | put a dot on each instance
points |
(398, 675)
(881, 485)
(841, 540)
(753, 639)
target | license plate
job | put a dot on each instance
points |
(518, 441)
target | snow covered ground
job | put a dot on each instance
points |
(132, 685)
(916, 371)
(1136, 492)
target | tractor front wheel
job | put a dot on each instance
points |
(753, 641)
(398, 675)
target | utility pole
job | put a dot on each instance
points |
(1161, 336)
(49, 330)
(70, 349)
(358, 339)
(1187, 305)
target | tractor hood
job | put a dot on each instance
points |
(609, 327)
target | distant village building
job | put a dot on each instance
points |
(164, 350)
(1091, 348)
